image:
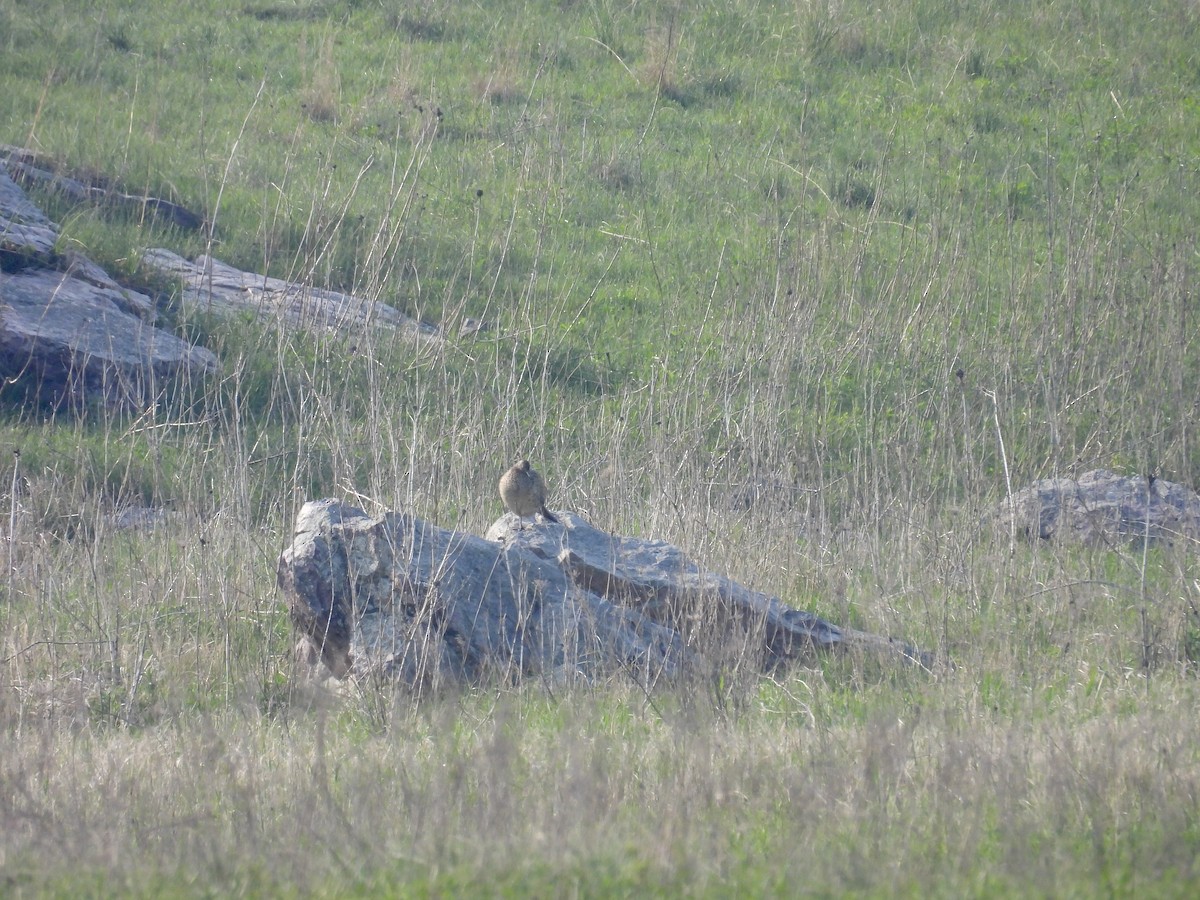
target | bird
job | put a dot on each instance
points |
(523, 491)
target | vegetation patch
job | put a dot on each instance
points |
(805, 290)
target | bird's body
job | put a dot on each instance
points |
(524, 492)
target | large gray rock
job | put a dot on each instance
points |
(70, 325)
(222, 288)
(397, 597)
(659, 581)
(1102, 507)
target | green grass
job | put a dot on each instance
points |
(734, 257)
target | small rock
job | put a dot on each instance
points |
(1102, 507)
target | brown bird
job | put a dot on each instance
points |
(524, 492)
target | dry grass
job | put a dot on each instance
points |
(503, 81)
(1099, 796)
(157, 731)
(157, 734)
(322, 96)
(659, 67)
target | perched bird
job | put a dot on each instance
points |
(524, 492)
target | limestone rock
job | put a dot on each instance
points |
(1102, 507)
(28, 167)
(214, 285)
(70, 325)
(658, 580)
(397, 597)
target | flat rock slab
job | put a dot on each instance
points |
(660, 581)
(1102, 507)
(212, 284)
(28, 167)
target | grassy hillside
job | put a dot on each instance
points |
(801, 287)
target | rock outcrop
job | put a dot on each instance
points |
(214, 285)
(70, 330)
(69, 327)
(396, 597)
(27, 167)
(1102, 507)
